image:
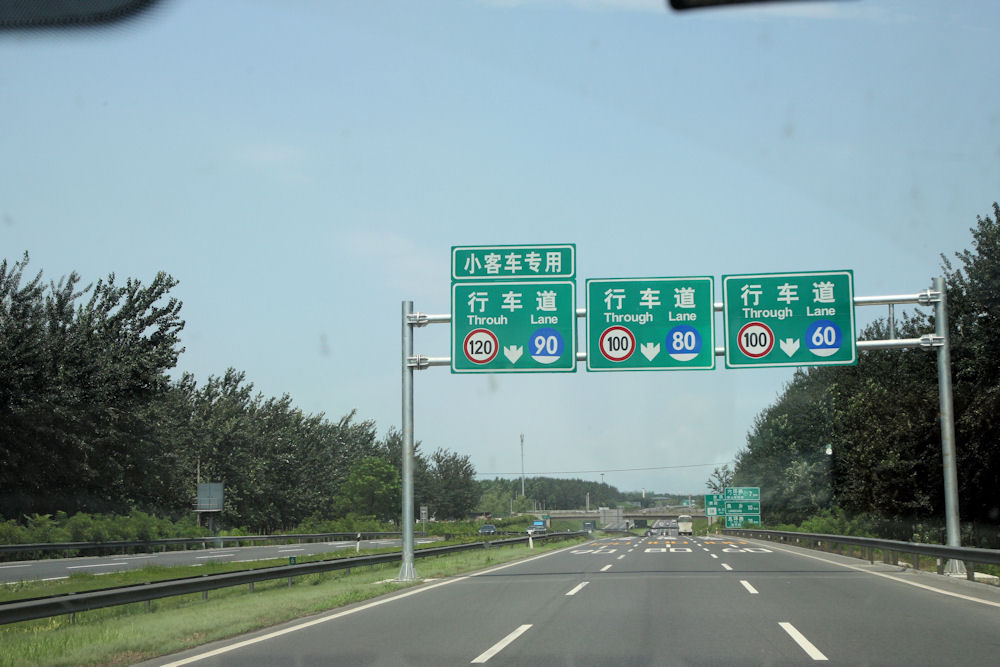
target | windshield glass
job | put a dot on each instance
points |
(212, 213)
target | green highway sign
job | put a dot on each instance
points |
(742, 493)
(742, 507)
(715, 504)
(513, 262)
(648, 324)
(513, 308)
(789, 319)
(512, 326)
(737, 520)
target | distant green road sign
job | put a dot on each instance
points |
(742, 507)
(737, 520)
(715, 504)
(789, 319)
(647, 324)
(742, 493)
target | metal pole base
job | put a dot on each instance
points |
(407, 573)
(954, 566)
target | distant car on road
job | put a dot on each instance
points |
(487, 529)
(537, 530)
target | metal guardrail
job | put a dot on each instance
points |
(56, 605)
(890, 548)
(211, 540)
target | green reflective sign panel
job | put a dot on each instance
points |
(648, 324)
(738, 520)
(513, 326)
(714, 504)
(742, 493)
(742, 507)
(513, 262)
(789, 319)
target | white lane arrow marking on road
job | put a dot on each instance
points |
(513, 352)
(650, 350)
(789, 346)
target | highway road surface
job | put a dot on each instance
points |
(61, 568)
(649, 601)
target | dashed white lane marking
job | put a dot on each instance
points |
(622, 556)
(801, 640)
(501, 645)
(77, 567)
(606, 567)
(281, 551)
(53, 578)
(7, 567)
(578, 588)
(354, 610)
(713, 556)
(746, 585)
(214, 556)
(726, 567)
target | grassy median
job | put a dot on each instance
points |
(131, 633)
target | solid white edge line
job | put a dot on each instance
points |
(726, 567)
(960, 596)
(501, 645)
(746, 585)
(801, 640)
(347, 612)
(578, 588)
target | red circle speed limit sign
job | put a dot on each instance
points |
(617, 343)
(481, 346)
(755, 339)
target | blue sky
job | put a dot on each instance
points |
(303, 167)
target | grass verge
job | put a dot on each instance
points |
(131, 633)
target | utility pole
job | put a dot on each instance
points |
(522, 465)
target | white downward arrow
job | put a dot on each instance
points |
(650, 350)
(513, 352)
(789, 346)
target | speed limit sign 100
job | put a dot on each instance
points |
(617, 343)
(755, 339)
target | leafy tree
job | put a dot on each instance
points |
(720, 479)
(372, 488)
(455, 492)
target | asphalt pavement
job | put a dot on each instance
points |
(654, 600)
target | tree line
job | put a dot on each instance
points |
(866, 439)
(91, 421)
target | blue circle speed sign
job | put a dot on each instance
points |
(823, 338)
(546, 345)
(683, 342)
